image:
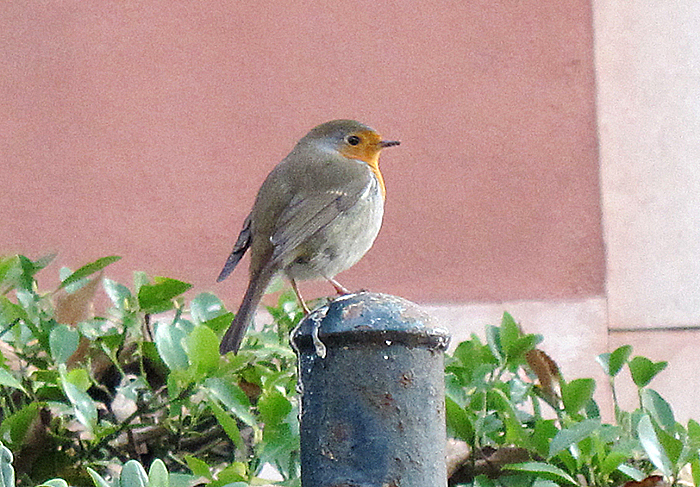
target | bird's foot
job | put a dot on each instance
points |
(299, 298)
(339, 288)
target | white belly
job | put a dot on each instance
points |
(343, 242)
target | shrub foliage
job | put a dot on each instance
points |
(89, 398)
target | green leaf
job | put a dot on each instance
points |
(158, 475)
(65, 272)
(9, 380)
(15, 427)
(220, 323)
(26, 280)
(613, 362)
(205, 307)
(632, 472)
(652, 446)
(187, 480)
(7, 265)
(95, 328)
(156, 298)
(119, 294)
(227, 423)
(519, 390)
(150, 353)
(169, 339)
(232, 397)
(273, 407)
(78, 377)
(280, 442)
(508, 414)
(508, 333)
(133, 475)
(612, 461)
(618, 358)
(644, 370)
(524, 344)
(695, 470)
(544, 431)
(55, 483)
(458, 423)
(604, 361)
(670, 444)
(658, 409)
(208, 310)
(484, 481)
(539, 482)
(10, 313)
(97, 479)
(202, 347)
(199, 467)
(17, 272)
(472, 353)
(494, 342)
(7, 472)
(572, 435)
(88, 269)
(234, 476)
(694, 434)
(63, 341)
(592, 410)
(454, 388)
(543, 469)
(576, 394)
(10, 273)
(83, 406)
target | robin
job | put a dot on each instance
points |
(316, 214)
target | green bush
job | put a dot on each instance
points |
(86, 398)
(508, 401)
(144, 381)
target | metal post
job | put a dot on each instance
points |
(372, 382)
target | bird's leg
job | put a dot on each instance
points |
(339, 288)
(301, 300)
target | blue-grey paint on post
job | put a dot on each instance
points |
(372, 382)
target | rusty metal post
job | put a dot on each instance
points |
(372, 382)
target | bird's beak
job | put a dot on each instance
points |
(388, 143)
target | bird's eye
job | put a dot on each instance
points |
(353, 140)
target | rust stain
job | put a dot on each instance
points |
(353, 311)
(407, 379)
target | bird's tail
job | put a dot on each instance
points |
(256, 289)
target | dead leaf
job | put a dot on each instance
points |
(75, 307)
(72, 308)
(650, 481)
(546, 370)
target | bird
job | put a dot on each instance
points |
(316, 214)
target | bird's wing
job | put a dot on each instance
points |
(307, 214)
(239, 249)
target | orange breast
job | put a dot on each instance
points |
(368, 151)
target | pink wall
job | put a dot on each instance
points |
(145, 128)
